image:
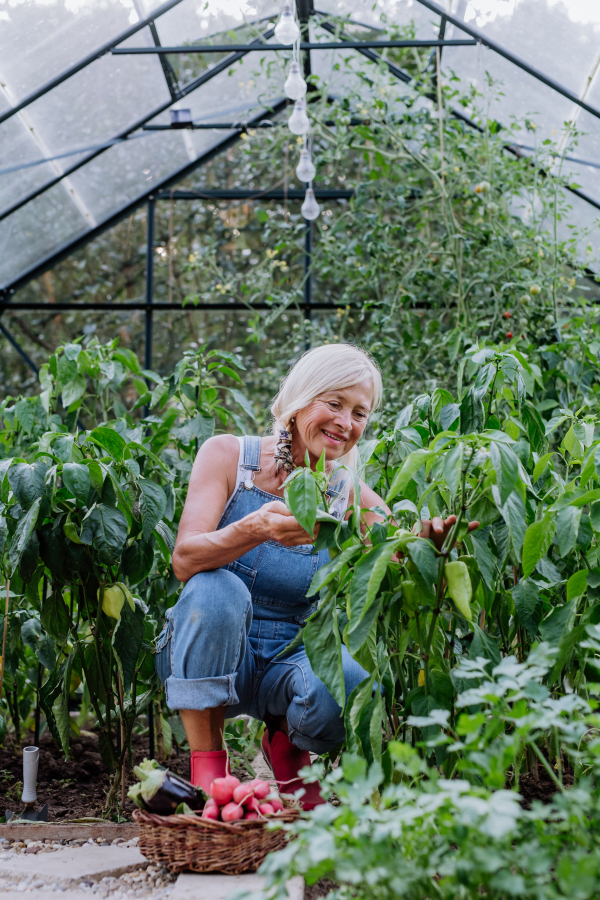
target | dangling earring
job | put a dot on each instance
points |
(283, 450)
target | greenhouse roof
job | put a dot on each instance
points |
(76, 153)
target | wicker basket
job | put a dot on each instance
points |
(193, 844)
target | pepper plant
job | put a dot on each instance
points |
(88, 523)
(410, 612)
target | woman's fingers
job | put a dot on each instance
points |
(473, 526)
(437, 524)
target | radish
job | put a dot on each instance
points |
(242, 793)
(266, 809)
(261, 789)
(252, 804)
(222, 789)
(231, 812)
(250, 816)
(211, 810)
(276, 804)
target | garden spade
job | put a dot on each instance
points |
(31, 758)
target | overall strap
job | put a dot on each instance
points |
(251, 455)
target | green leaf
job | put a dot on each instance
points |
(77, 480)
(540, 466)
(127, 642)
(484, 557)
(105, 528)
(535, 426)
(96, 476)
(22, 533)
(3, 534)
(367, 577)
(471, 413)
(324, 649)
(577, 585)
(506, 466)
(526, 597)
(538, 539)
(27, 482)
(324, 574)
(73, 391)
(485, 646)
(60, 707)
(567, 527)
(513, 513)
(453, 468)
(559, 622)
(152, 505)
(301, 497)
(25, 413)
(55, 617)
(110, 440)
(41, 644)
(403, 476)
(242, 401)
(422, 553)
(137, 561)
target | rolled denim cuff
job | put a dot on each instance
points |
(313, 745)
(201, 693)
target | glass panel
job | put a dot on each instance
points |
(194, 20)
(36, 230)
(41, 39)
(378, 14)
(18, 146)
(561, 39)
(100, 101)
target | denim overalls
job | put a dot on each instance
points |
(222, 638)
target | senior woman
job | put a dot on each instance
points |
(248, 564)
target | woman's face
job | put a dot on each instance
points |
(333, 422)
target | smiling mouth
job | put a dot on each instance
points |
(334, 437)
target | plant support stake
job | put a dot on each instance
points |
(4, 637)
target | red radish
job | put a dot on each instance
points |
(276, 804)
(211, 810)
(250, 815)
(222, 789)
(242, 793)
(261, 789)
(231, 812)
(266, 809)
(252, 804)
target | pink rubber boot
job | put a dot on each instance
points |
(286, 760)
(205, 766)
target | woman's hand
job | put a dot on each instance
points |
(437, 529)
(274, 522)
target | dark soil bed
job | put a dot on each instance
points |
(541, 788)
(320, 889)
(75, 788)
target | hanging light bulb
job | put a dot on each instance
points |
(310, 209)
(298, 121)
(286, 30)
(295, 85)
(305, 170)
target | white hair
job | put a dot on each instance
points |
(329, 367)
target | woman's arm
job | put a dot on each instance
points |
(199, 545)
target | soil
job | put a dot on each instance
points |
(321, 888)
(541, 788)
(77, 787)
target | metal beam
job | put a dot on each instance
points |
(13, 341)
(187, 89)
(90, 58)
(304, 45)
(70, 246)
(247, 194)
(149, 283)
(170, 77)
(227, 126)
(511, 57)
(160, 306)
